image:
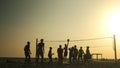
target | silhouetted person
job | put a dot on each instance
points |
(71, 54)
(60, 54)
(40, 50)
(80, 54)
(75, 54)
(27, 52)
(87, 55)
(66, 49)
(50, 54)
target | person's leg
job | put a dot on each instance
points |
(50, 58)
(78, 58)
(42, 57)
(25, 57)
(65, 56)
(29, 58)
(58, 59)
(70, 59)
(61, 58)
(82, 58)
(37, 58)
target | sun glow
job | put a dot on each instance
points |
(114, 22)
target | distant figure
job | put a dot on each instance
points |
(87, 55)
(66, 50)
(50, 54)
(60, 54)
(71, 54)
(75, 54)
(80, 54)
(27, 52)
(40, 50)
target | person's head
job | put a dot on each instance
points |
(50, 48)
(87, 47)
(42, 40)
(28, 42)
(75, 46)
(60, 46)
(80, 47)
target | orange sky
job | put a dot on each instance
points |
(56, 20)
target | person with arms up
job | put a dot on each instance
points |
(66, 50)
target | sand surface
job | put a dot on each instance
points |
(56, 65)
(19, 63)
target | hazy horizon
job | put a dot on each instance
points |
(23, 21)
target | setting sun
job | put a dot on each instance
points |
(114, 22)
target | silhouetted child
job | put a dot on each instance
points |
(27, 52)
(40, 50)
(60, 54)
(50, 54)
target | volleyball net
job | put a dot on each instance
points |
(103, 45)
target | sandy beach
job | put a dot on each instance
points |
(53, 65)
(16, 63)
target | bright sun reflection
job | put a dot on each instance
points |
(114, 23)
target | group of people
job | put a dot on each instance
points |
(75, 55)
(39, 51)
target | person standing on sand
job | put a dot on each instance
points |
(75, 54)
(87, 55)
(71, 54)
(27, 52)
(60, 54)
(50, 54)
(40, 50)
(66, 50)
(80, 54)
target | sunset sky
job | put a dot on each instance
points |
(22, 21)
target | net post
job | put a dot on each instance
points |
(115, 52)
(36, 47)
